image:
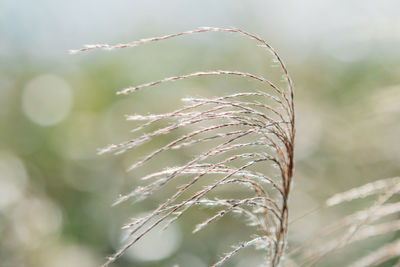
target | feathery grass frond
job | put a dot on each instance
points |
(366, 190)
(361, 225)
(237, 133)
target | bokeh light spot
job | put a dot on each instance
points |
(156, 245)
(12, 179)
(47, 99)
(36, 220)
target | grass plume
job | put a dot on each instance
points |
(361, 225)
(252, 128)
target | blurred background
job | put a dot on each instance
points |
(57, 109)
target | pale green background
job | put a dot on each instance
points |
(56, 109)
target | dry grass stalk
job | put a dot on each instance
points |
(231, 121)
